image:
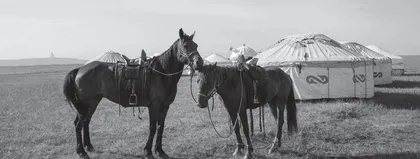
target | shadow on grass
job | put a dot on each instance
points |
(397, 100)
(330, 100)
(388, 100)
(411, 74)
(406, 155)
(198, 155)
(121, 154)
(401, 84)
(255, 155)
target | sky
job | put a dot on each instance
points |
(84, 29)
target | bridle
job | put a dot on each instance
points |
(183, 53)
(214, 89)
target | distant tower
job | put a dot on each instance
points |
(52, 55)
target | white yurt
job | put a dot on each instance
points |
(247, 51)
(110, 57)
(382, 65)
(397, 61)
(213, 58)
(321, 67)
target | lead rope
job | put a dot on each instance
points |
(117, 76)
(191, 77)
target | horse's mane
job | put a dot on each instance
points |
(227, 74)
(165, 57)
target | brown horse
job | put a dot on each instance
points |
(275, 88)
(84, 87)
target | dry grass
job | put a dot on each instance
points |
(35, 122)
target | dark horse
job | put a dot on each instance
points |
(232, 85)
(84, 87)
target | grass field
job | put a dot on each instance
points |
(36, 122)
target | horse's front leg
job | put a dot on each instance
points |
(240, 144)
(161, 126)
(245, 128)
(153, 113)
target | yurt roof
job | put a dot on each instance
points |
(110, 57)
(245, 50)
(307, 48)
(217, 58)
(383, 52)
(365, 51)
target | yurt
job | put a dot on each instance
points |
(321, 67)
(213, 58)
(397, 61)
(110, 57)
(382, 65)
(247, 51)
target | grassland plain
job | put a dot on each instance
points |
(36, 122)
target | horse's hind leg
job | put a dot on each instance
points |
(78, 123)
(93, 104)
(280, 122)
(161, 126)
(273, 108)
(245, 128)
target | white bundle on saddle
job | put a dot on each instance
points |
(252, 61)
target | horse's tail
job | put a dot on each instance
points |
(69, 87)
(291, 112)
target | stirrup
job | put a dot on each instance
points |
(132, 99)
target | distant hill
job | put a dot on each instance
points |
(41, 61)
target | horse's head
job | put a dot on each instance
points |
(187, 51)
(207, 84)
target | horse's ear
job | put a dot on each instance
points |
(192, 36)
(181, 34)
(214, 65)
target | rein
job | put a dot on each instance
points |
(165, 74)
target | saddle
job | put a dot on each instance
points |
(134, 81)
(255, 76)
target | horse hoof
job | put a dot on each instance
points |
(272, 149)
(237, 153)
(248, 156)
(90, 149)
(84, 156)
(149, 156)
(163, 156)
